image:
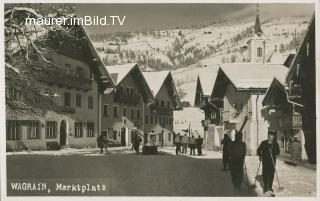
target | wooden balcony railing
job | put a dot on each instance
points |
(161, 110)
(60, 78)
(131, 99)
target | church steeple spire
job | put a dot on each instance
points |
(257, 26)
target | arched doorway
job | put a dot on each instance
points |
(123, 136)
(63, 132)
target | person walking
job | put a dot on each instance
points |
(225, 158)
(133, 136)
(136, 143)
(199, 143)
(237, 153)
(102, 142)
(267, 152)
(177, 141)
(192, 145)
(184, 143)
(296, 151)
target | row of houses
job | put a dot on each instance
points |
(94, 99)
(260, 97)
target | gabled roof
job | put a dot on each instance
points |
(276, 57)
(309, 32)
(156, 79)
(118, 72)
(281, 86)
(190, 89)
(103, 73)
(253, 76)
(207, 77)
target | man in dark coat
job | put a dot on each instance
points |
(267, 152)
(192, 144)
(237, 153)
(102, 142)
(177, 141)
(225, 158)
(136, 142)
(199, 143)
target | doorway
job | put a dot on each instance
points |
(63, 132)
(123, 136)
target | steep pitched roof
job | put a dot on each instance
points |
(156, 79)
(207, 77)
(190, 90)
(257, 26)
(310, 30)
(104, 75)
(118, 72)
(253, 76)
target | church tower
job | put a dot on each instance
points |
(257, 43)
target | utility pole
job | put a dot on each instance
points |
(264, 50)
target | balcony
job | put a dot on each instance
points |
(161, 110)
(292, 121)
(231, 116)
(130, 99)
(65, 109)
(59, 78)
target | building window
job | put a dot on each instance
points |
(67, 69)
(79, 72)
(33, 129)
(51, 129)
(131, 91)
(128, 91)
(147, 119)
(90, 102)
(90, 129)
(259, 52)
(13, 130)
(115, 111)
(168, 104)
(170, 121)
(132, 113)
(162, 103)
(78, 100)
(157, 102)
(138, 114)
(151, 119)
(105, 110)
(67, 99)
(124, 112)
(156, 119)
(78, 129)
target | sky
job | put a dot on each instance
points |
(166, 16)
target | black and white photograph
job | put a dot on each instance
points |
(176, 99)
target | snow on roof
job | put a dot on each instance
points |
(190, 92)
(118, 72)
(207, 76)
(248, 75)
(276, 57)
(155, 80)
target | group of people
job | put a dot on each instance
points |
(233, 158)
(103, 141)
(184, 142)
